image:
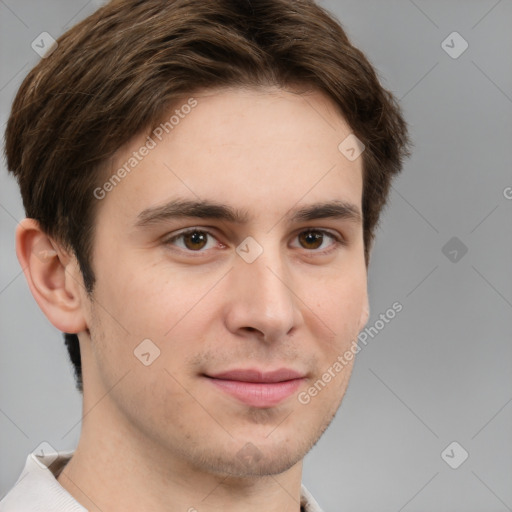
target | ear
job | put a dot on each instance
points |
(53, 277)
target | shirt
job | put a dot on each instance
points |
(37, 488)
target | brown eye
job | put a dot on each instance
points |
(195, 240)
(318, 241)
(311, 239)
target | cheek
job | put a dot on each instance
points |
(338, 305)
(148, 303)
(174, 312)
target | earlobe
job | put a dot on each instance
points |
(52, 276)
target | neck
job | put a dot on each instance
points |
(121, 469)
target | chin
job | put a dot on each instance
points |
(256, 464)
(255, 459)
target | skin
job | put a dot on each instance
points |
(163, 437)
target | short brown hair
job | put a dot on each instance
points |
(119, 71)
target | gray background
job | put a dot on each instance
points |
(440, 371)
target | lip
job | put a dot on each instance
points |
(258, 388)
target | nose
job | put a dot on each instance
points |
(262, 300)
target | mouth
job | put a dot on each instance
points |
(258, 388)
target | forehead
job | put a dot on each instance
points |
(252, 148)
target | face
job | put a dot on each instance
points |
(230, 277)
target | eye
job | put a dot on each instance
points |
(193, 240)
(318, 239)
(199, 240)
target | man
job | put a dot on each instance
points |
(202, 182)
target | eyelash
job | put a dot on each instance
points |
(338, 241)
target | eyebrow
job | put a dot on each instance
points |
(202, 209)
